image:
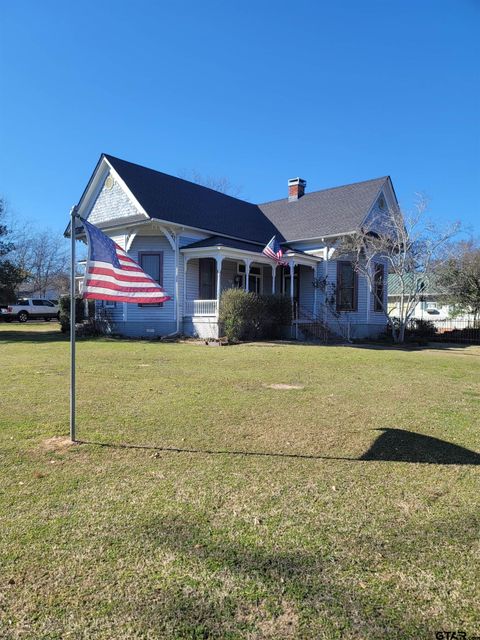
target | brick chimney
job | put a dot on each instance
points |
(296, 188)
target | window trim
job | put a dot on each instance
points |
(354, 308)
(378, 266)
(140, 255)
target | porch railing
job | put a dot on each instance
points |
(201, 308)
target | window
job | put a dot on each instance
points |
(206, 278)
(42, 303)
(152, 263)
(254, 278)
(378, 287)
(346, 287)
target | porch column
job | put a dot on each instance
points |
(219, 260)
(325, 295)
(247, 273)
(291, 264)
(274, 273)
(176, 308)
(185, 267)
(314, 267)
(369, 293)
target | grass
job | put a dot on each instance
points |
(336, 521)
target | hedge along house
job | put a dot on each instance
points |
(197, 242)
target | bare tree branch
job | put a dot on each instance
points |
(217, 183)
(44, 257)
(411, 246)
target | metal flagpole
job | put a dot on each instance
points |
(73, 222)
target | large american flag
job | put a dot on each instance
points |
(274, 251)
(111, 274)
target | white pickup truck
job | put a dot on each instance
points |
(29, 308)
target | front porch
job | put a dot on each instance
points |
(210, 270)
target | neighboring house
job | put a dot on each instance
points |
(57, 287)
(431, 304)
(48, 294)
(197, 242)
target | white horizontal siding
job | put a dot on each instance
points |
(192, 279)
(136, 313)
(229, 271)
(307, 291)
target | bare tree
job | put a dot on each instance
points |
(412, 248)
(217, 183)
(44, 257)
(460, 278)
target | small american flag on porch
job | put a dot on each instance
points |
(111, 274)
(274, 251)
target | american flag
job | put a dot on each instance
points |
(111, 274)
(274, 251)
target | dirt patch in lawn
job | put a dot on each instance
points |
(56, 443)
(283, 386)
(284, 625)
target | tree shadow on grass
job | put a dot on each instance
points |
(12, 335)
(413, 346)
(393, 445)
(398, 445)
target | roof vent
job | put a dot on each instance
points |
(296, 188)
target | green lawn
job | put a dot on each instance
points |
(360, 518)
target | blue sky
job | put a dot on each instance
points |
(334, 92)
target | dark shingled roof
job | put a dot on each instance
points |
(219, 241)
(324, 213)
(314, 215)
(180, 201)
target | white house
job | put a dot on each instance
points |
(197, 242)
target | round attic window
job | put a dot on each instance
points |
(109, 182)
